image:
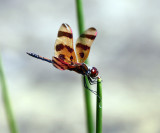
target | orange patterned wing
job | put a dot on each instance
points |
(84, 43)
(64, 45)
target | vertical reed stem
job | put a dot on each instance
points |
(99, 107)
(88, 107)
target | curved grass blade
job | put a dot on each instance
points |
(7, 105)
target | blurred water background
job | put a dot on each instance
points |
(126, 52)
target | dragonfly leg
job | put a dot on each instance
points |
(85, 85)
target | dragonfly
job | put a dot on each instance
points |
(66, 58)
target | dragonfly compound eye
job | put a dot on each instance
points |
(94, 72)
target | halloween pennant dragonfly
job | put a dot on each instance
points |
(65, 57)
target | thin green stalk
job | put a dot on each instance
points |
(88, 107)
(80, 16)
(7, 105)
(99, 107)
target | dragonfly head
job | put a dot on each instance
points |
(93, 72)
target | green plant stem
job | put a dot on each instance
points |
(88, 107)
(87, 98)
(80, 16)
(7, 106)
(99, 107)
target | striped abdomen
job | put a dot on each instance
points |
(39, 57)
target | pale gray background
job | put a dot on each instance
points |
(126, 52)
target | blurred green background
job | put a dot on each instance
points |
(126, 52)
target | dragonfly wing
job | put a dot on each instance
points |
(64, 44)
(84, 43)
